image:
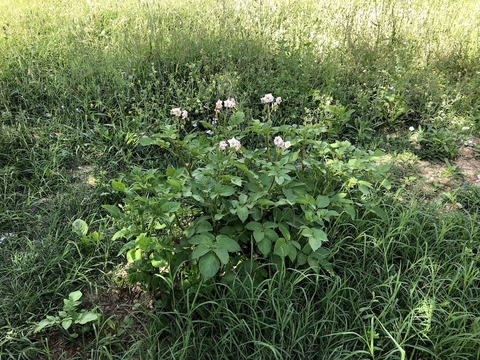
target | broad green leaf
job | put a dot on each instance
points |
(258, 235)
(66, 323)
(236, 180)
(222, 255)
(118, 186)
(242, 213)
(87, 317)
(227, 243)
(292, 253)
(209, 264)
(199, 251)
(170, 207)
(284, 230)
(227, 190)
(80, 227)
(175, 183)
(202, 227)
(281, 248)
(253, 225)
(145, 141)
(143, 242)
(265, 202)
(316, 237)
(120, 234)
(134, 255)
(271, 234)
(49, 321)
(202, 239)
(112, 210)
(322, 201)
(269, 225)
(75, 295)
(265, 246)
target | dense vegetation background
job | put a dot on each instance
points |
(82, 82)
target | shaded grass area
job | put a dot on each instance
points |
(83, 82)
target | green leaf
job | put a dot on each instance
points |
(271, 234)
(199, 251)
(242, 213)
(118, 186)
(258, 235)
(265, 246)
(80, 227)
(49, 321)
(227, 243)
(75, 295)
(170, 207)
(66, 323)
(227, 190)
(269, 225)
(253, 225)
(202, 227)
(316, 237)
(284, 230)
(112, 210)
(322, 201)
(292, 254)
(281, 248)
(145, 141)
(209, 264)
(202, 239)
(86, 317)
(236, 180)
(175, 183)
(222, 255)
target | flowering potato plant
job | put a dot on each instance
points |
(230, 203)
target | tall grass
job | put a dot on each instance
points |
(81, 82)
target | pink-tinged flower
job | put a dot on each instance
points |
(278, 100)
(184, 114)
(218, 106)
(234, 143)
(230, 103)
(176, 112)
(278, 141)
(268, 98)
(222, 145)
(287, 144)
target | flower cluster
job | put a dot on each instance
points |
(229, 104)
(232, 143)
(278, 141)
(268, 98)
(177, 112)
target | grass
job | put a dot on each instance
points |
(81, 83)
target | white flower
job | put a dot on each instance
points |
(287, 144)
(230, 103)
(209, 132)
(218, 106)
(195, 124)
(184, 114)
(268, 98)
(465, 128)
(176, 112)
(234, 143)
(222, 145)
(278, 141)
(278, 100)
(411, 128)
